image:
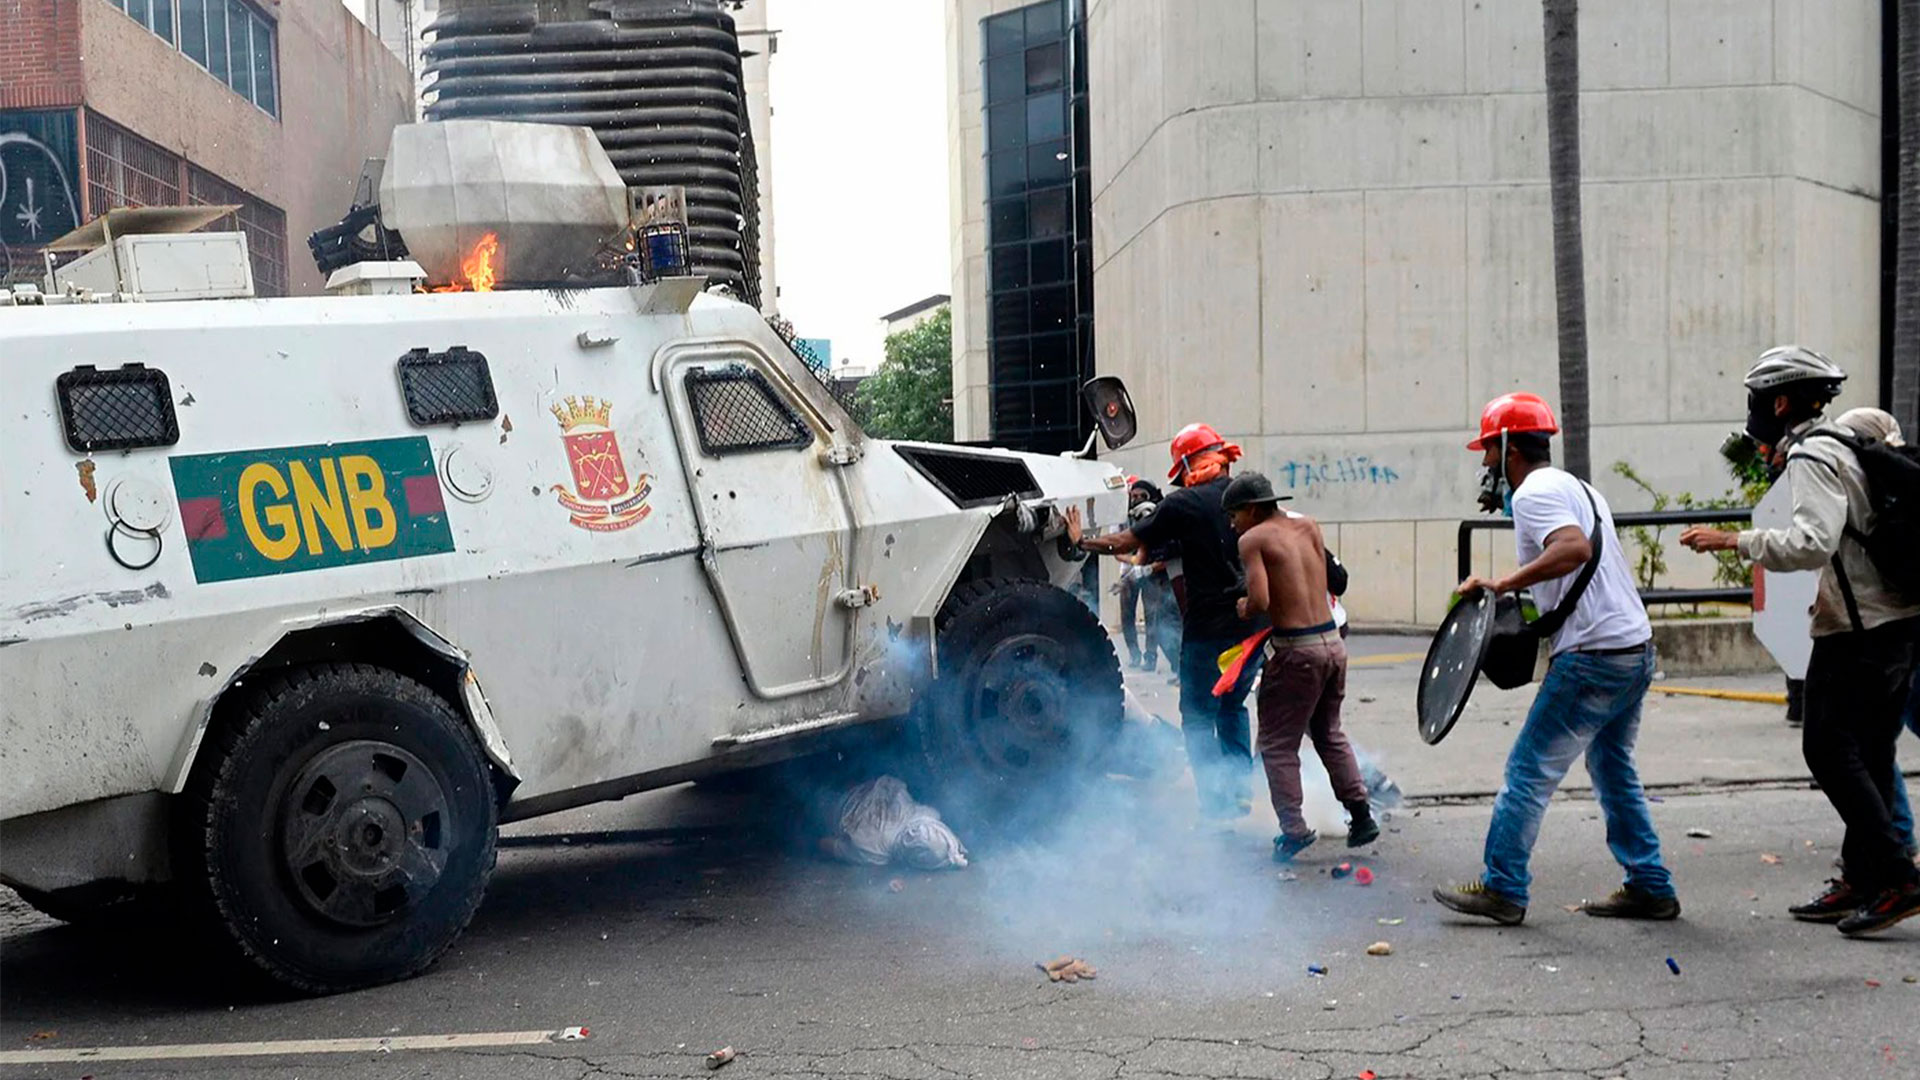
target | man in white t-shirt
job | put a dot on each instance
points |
(1590, 700)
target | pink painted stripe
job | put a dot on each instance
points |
(423, 496)
(202, 518)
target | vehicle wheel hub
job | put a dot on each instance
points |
(362, 832)
(1020, 702)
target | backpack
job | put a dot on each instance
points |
(1893, 494)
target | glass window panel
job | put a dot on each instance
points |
(239, 53)
(1050, 309)
(193, 30)
(1010, 314)
(1045, 21)
(1055, 407)
(1009, 267)
(1046, 117)
(1006, 127)
(1047, 164)
(1006, 79)
(1049, 261)
(1049, 213)
(1011, 362)
(217, 39)
(1003, 33)
(263, 58)
(162, 19)
(1008, 221)
(1046, 67)
(137, 10)
(1006, 174)
(1012, 405)
(1052, 356)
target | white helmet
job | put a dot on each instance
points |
(1785, 364)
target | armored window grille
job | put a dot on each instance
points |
(449, 387)
(972, 479)
(123, 409)
(735, 411)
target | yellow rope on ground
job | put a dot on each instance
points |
(1758, 697)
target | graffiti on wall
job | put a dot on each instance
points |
(39, 199)
(1321, 471)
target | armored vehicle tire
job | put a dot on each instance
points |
(1029, 692)
(340, 832)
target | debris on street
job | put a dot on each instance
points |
(1317, 970)
(1700, 834)
(878, 822)
(1380, 948)
(1873, 984)
(1362, 876)
(570, 1034)
(1389, 922)
(1770, 859)
(1673, 966)
(1068, 969)
(1341, 870)
(720, 1057)
(1288, 875)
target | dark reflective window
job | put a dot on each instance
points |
(1039, 224)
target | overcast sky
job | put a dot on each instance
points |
(859, 164)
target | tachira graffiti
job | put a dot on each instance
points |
(1323, 471)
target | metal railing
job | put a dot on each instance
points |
(1464, 550)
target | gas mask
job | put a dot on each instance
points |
(1763, 427)
(1142, 510)
(1495, 493)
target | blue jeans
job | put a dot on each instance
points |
(1903, 809)
(1586, 703)
(1216, 728)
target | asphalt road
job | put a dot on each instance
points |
(676, 924)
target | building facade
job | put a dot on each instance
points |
(1022, 211)
(1324, 227)
(271, 107)
(903, 319)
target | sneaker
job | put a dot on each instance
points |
(1477, 899)
(1890, 907)
(1361, 829)
(1836, 903)
(1628, 902)
(1286, 847)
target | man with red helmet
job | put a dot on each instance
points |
(1219, 744)
(1590, 700)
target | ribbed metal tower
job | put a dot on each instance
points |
(658, 81)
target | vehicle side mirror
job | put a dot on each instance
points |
(1112, 409)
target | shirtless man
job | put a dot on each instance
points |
(1305, 677)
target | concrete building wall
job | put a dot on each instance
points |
(1323, 226)
(341, 94)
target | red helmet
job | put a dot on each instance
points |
(1192, 439)
(1513, 413)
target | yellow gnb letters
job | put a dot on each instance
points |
(279, 515)
(367, 495)
(322, 511)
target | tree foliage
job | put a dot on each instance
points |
(910, 397)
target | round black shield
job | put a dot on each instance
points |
(1453, 664)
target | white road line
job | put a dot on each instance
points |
(275, 1048)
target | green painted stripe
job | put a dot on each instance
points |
(288, 509)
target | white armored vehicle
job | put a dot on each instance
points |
(301, 598)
